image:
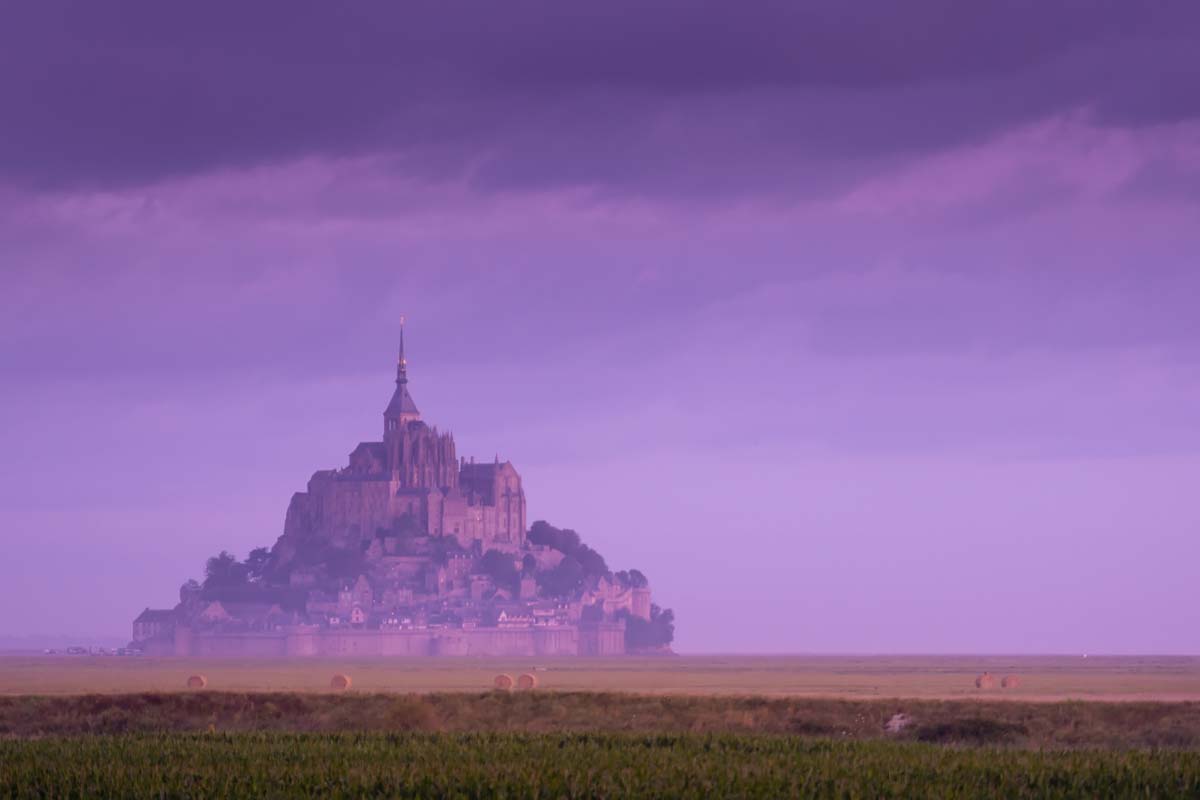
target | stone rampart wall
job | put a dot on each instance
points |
(242, 645)
(602, 639)
(566, 640)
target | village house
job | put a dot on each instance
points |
(153, 623)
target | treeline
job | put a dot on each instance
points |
(224, 571)
(228, 579)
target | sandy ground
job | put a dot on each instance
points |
(1048, 678)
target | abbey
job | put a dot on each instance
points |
(412, 480)
(409, 550)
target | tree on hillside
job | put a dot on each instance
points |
(658, 631)
(633, 578)
(500, 568)
(224, 571)
(344, 563)
(563, 540)
(567, 542)
(591, 561)
(256, 563)
(190, 592)
(564, 580)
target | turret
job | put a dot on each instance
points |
(402, 409)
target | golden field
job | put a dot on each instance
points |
(1042, 678)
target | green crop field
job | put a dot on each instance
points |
(1012, 724)
(712, 726)
(569, 765)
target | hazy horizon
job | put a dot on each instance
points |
(854, 332)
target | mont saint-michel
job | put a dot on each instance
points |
(411, 550)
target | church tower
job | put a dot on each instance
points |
(401, 410)
(418, 457)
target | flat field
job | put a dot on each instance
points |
(663, 727)
(1009, 724)
(1042, 678)
(570, 765)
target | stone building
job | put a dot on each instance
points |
(393, 555)
(152, 623)
(411, 480)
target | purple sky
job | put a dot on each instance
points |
(856, 331)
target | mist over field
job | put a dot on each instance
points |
(856, 333)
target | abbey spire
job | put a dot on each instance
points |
(401, 362)
(401, 410)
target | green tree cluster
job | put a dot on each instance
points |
(633, 578)
(579, 563)
(500, 568)
(658, 631)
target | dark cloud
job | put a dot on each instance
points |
(670, 97)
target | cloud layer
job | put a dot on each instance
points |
(869, 291)
(641, 98)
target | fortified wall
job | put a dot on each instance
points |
(596, 639)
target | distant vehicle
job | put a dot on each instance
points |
(50, 651)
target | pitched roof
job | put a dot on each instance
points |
(156, 615)
(402, 402)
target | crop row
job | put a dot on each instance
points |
(569, 765)
(1036, 726)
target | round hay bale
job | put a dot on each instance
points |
(985, 681)
(1010, 682)
(197, 682)
(340, 682)
(527, 681)
(503, 682)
